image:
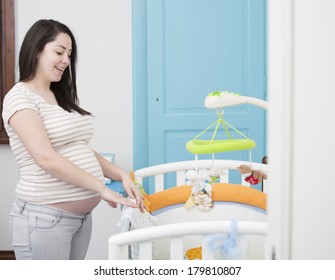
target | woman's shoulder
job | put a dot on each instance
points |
(18, 98)
(19, 92)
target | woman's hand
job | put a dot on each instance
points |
(115, 173)
(114, 198)
(133, 192)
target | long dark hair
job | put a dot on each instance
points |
(41, 33)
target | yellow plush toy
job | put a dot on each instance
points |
(194, 254)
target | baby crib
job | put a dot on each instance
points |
(234, 228)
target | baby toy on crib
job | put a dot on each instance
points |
(201, 183)
(252, 176)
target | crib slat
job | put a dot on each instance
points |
(242, 241)
(176, 248)
(159, 182)
(224, 178)
(180, 178)
(145, 249)
(145, 236)
(206, 253)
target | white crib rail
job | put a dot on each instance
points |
(144, 237)
(181, 167)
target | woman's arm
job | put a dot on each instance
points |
(28, 125)
(115, 173)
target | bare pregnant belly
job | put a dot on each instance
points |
(80, 207)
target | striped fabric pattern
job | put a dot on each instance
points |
(69, 134)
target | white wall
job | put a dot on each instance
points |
(103, 32)
(301, 120)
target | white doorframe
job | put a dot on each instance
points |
(280, 128)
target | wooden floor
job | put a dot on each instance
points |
(7, 255)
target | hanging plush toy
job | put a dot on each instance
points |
(252, 176)
(201, 194)
(201, 183)
(215, 173)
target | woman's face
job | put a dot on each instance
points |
(54, 59)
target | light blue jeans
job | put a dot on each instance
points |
(45, 233)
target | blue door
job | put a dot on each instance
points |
(183, 50)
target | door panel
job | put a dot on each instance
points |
(195, 47)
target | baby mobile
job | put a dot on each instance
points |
(201, 181)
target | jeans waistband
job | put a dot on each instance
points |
(46, 210)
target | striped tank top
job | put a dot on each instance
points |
(69, 134)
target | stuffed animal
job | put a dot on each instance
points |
(215, 173)
(252, 176)
(201, 194)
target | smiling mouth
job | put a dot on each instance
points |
(60, 69)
